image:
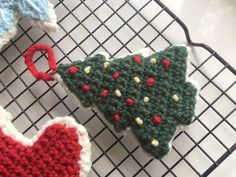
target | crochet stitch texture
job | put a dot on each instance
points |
(149, 94)
(39, 12)
(61, 148)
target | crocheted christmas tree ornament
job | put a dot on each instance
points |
(149, 94)
(39, 12)
(61, 148)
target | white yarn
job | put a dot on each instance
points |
(85, 154)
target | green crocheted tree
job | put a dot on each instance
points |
(150, 95)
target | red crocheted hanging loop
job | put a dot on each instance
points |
(29, 54)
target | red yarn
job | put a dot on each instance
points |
(73, 69)
(55, 153)
(86, 88)
(130, 102)
(137, 59)
(29, 54)
(150, 81)
(117, 117)
(104, 93)
(116, 75)
(156, 119)
(166, 63)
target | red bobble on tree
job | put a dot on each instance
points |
(150, 81)
(104, 93)
(130, 102)
(166, 63)
(116, 75)
(85, 88)
(156, 119)
(117, 117)
(137, 59)
(73, 69)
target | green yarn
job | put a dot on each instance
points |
(169, 74)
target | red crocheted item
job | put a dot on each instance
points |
(51, 62)
(55, 153)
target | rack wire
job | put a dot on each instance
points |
(119, 27)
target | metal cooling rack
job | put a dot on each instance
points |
(120, 27)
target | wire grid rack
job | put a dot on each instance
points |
(120, 27)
